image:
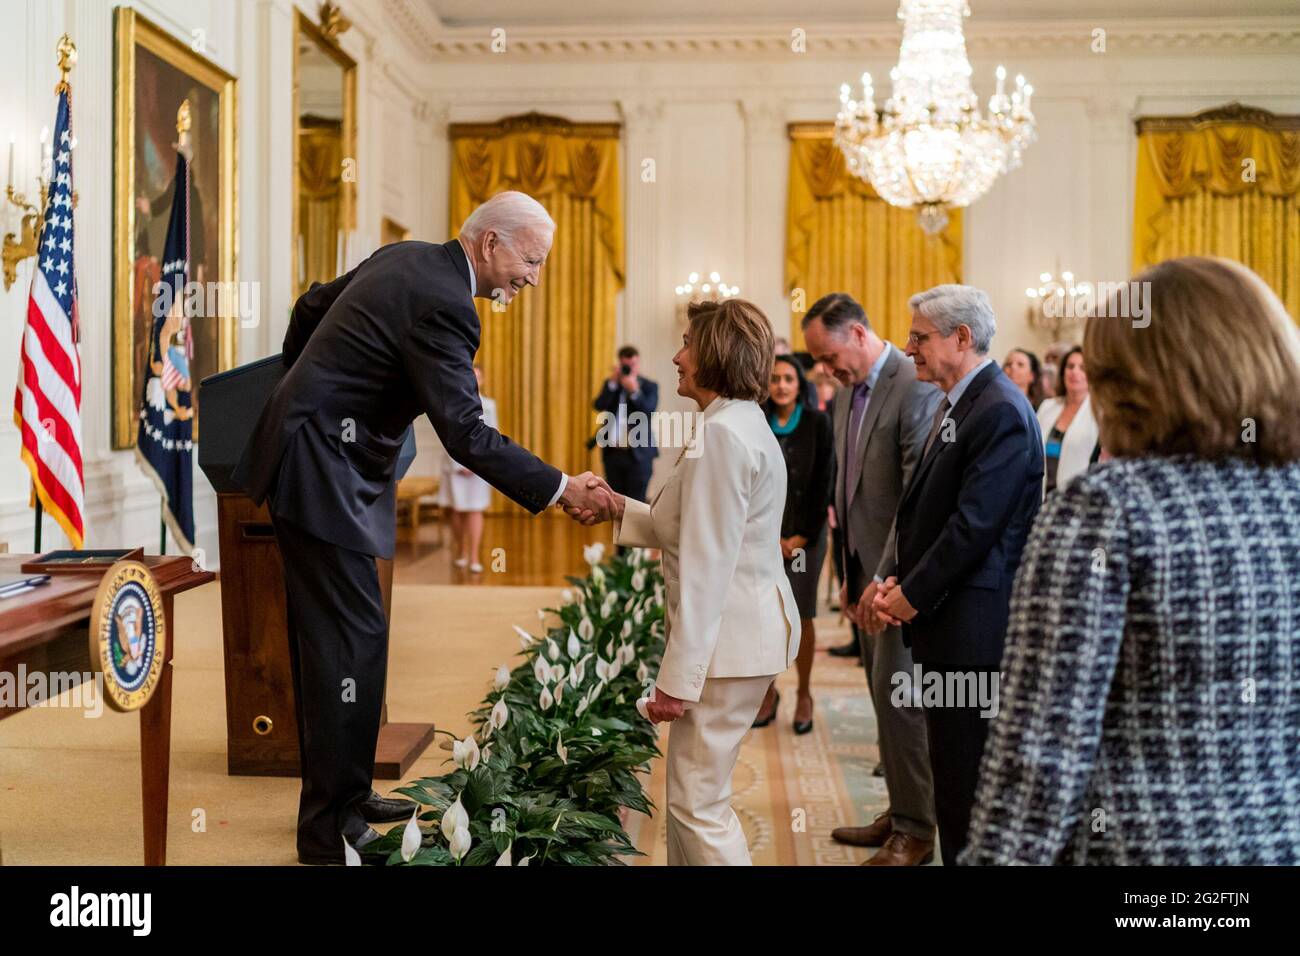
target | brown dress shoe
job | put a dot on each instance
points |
(874, 834)
(901, 849)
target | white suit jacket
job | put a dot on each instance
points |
(728, 604)
(1079, 441)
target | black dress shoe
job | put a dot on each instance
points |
(802, 727)
(879, 771)
(377, 809)
(764, 721)
(845, 650)
(338, 859)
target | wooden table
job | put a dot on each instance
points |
(47, 630)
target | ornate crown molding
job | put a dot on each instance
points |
(416, 22)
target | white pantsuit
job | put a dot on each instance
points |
(732, 622)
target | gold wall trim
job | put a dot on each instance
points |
(810, 130)
(130, 29)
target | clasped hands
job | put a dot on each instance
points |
(589, 500)
(881, 605)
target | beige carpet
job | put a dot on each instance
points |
(70, 786)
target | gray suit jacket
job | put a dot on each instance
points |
(900, 411)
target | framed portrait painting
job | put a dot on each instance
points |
(159, 79)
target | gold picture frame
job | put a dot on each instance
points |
(324, 39)
(151, 70)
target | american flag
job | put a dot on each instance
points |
(47, 401)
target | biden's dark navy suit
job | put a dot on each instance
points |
(366, 354)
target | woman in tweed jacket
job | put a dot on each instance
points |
(1150, 700)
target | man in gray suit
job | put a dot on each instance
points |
(882, 418)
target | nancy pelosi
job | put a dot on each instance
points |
(732, 622)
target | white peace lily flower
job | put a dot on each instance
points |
(566, 596)
(609, 648)
(524, 861)
(607, 606)
(642, 672)
(500, 714)
(542, 670)
(541, 615)
(629, 604)
(627, 629)
(586, 630)
(557, 672)
(525, 639)
(561, 751)
(459, 843)
(574, 647)
(582, 706)
(598, 577)
(559, 690)
(411, 837)
(465, 753)
(545, 700)
(635, 557)
(487, 752)
(502, 679)
(578, 673)
(504, 858)
(614, 668)
(638, 580)
(595, 692)
(595, 731)
(454, 818)
(552, 649)
(627, 653)
(593, 553)
(602, 668)
(638, 617)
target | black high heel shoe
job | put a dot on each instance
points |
(763, 722)
(802, 727)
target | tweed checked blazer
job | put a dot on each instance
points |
(1150, 701)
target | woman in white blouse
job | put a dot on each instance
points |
(732, 622)
(1070, 435)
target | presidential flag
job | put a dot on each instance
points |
(47, 401)
(164, 445)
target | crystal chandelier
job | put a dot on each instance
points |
(930, 147)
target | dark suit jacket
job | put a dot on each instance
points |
(963, 521)
(645, 402)
(368, 352)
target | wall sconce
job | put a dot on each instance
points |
(712, 289)
(1058, 304)
(24, 246)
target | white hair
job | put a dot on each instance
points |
(507, 214)
(951, 305)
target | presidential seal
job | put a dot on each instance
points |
(128, 635)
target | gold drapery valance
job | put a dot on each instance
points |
(842, 237)
(1225, 182)
(544, 357)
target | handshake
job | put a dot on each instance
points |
(588, 500)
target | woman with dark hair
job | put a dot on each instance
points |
(1148, 711)
(1070, 443)
(1025, 371)
(807, 442)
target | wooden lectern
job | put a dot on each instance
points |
(261, 717)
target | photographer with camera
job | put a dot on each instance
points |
(629, 459)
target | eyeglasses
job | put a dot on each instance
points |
(913, 340)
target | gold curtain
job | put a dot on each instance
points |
(545, 355)
(320, 198)
(1225, 182)
(842, 237)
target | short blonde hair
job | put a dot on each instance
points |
(1214, 374)
(734, 348)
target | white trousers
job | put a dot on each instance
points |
(703, 745)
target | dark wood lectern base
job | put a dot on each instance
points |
(261, 722)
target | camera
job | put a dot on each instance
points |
(626, 369)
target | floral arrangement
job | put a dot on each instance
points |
(558, 752)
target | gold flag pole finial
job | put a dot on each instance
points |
(67, 52)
